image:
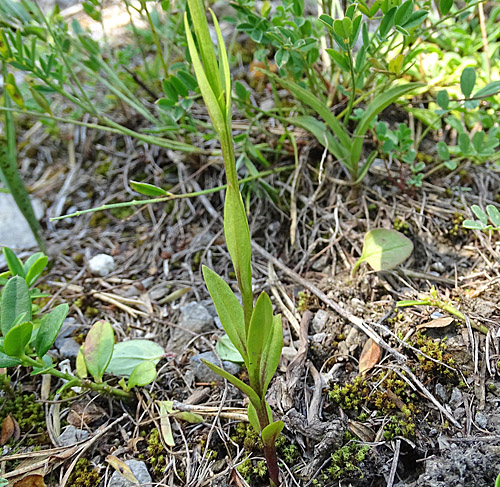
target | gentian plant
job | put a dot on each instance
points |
(252, 328)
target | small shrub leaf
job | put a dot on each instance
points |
(15, 301)
(143, 374)
(13, 263)
(98, 348)
(148, 189)
(494, 215)
(467, 81)
(128, 355)
(49, 329)
(445, 6)
(17, 338)
(480, 214)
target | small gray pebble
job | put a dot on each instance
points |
(440, 391)
(71, 435)
(481, 420)
(101, 265)
(140, 471)
(204, 374)
(456, 398)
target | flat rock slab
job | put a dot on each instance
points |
(14, 229)
(140, 472)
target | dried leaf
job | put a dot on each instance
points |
(165, 428)
(442, 322)
(370, 355)
(122, 468)
(10, 429)
(84, 413)
(32, 480)
(364, 433)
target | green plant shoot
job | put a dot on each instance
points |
(254, 331)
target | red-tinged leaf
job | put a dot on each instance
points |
(98, 348)
(370, 355)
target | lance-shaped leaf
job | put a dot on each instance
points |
(245, 388)
(259, 332)
(228, 308)
(49, 329)
(148, 189)
(13, 263)
(237, 236)
(271, 432)
(205, 45)
(35, 269)
(209, 96)
(15, 302)
(272, 353)
(98, 348)
(253, 417)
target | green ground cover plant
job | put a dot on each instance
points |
(27, 336)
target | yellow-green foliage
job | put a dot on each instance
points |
(351, 395)
(401, 226)
(437, 350)
(252, 470)
(28, 413)
(156, 452)
(83, 475)
(346, 461)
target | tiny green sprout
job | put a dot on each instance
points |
(254, 330)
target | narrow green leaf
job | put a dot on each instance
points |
(238, 243)
(81, 366)
(271, 432)
(384, 249)
(342, 60)
(13, 263)
(415, 19)
(272, 353)
(253, 418)
(148, 189)
(467, 81)
(49, 329)
(98, 348)
(228, 308)
(490, 89)
(205, 44)
(387, 22)
(207, 91)
(305, 96)
(259, 332)
(17, 338)
(403, 12)
(494, 215)
(246, 389)
(35, 270)
(143, 374)
(379, 103)
(15, 301)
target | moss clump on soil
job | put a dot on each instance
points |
(346, 462)
(306, 301)
(156, 454)
(350, 396)
(83, 475)
(437, 350)
(28, 413)
(455, 229)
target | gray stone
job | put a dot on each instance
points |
(139, 470)
(71, 435)
(456, 398)
(14, 229)
(481, 420)
(319, 321)
(194, 319)
(204, 374)
(65, 343)
(440, 391)
(101, 265)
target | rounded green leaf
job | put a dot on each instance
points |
(49, 329)
(17, 338)
(467, 81)
(143, 374)
(442, 150)
(403, 13)
(35, 270)
(384, 249)
(6, 361)
(445, 6)
(98, 348)
(271, 432)
(443, 100)
(15, 302)
(494, 215)
(128, 355)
